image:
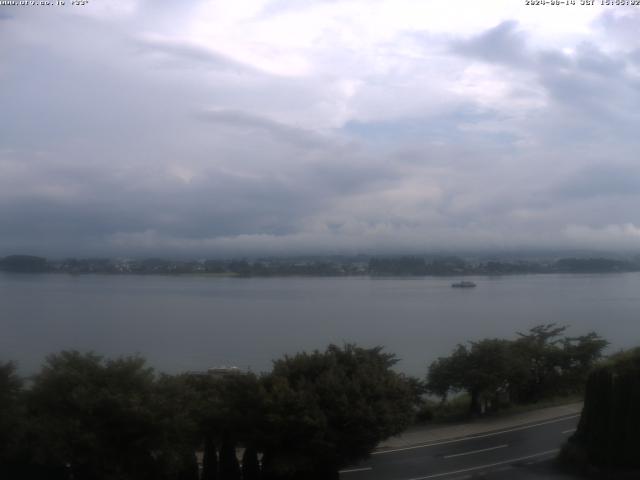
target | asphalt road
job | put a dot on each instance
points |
(523, 452)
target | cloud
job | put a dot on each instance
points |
(188, 52)
(602, 180)
(620, 27)
(503, 43)
(251, 122)
(621, 236)
(322, 126)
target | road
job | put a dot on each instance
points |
(514, 453)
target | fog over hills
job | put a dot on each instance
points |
(138, 128)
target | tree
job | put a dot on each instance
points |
(188, 467)
(209, 460)
(397, 266)
(229, 466)
(250, 464)
(580, 355)
(483, 371)
(538, 364)
(607, 434)
(176, 411)
(539, 357)
(447, 374)
(328, 409)
(94, 416)
(24, 264)
(488, 373)
(229, 411)
(12, 421)
(549, 364)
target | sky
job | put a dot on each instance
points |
(205, 128)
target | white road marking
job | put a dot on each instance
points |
(353, 470)
(490, 465)
(464, 439)
(475, 451)
(571, 430)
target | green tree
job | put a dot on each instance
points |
(549, 364)
(539, 356)
(188, 467)
(24, 264)
(12, 421)
(94, 417)
(538, 364)
(488, 373)
(447, 374)
(482, 370)
(175, 409)
(229, 466)
(250, 464)
(607, 434)
(210, 460)
(328, 409)
(229, 412)
(580, 355)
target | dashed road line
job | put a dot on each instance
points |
(490, 465)
(475, 451)
(354, 470)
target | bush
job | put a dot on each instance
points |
(608, 435)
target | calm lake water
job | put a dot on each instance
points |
(192, 323)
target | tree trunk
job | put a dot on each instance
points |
(189, 467)
(229, 466)
(475, 408)
(210, 461)
(250, 464)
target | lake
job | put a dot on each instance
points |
(193, 323)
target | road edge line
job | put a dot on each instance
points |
(473, 437)
(471, 469)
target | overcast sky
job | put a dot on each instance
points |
(133, 127)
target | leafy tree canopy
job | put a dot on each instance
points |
(327, 409)
(538, 363)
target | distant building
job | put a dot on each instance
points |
(218, 372)
(222, 372)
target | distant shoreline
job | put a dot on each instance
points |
(387, 266)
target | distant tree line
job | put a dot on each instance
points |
(419, 266)
(84, 417)
(319, 267)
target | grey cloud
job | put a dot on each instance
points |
(553, 59)
(151, 144)
(620, 24)
(602, 180)
(599, 86)
(503, 43)
(591, 80)
(187, 52)
(449, 127)
(248, 121)
(278, 7)
(591, 59)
